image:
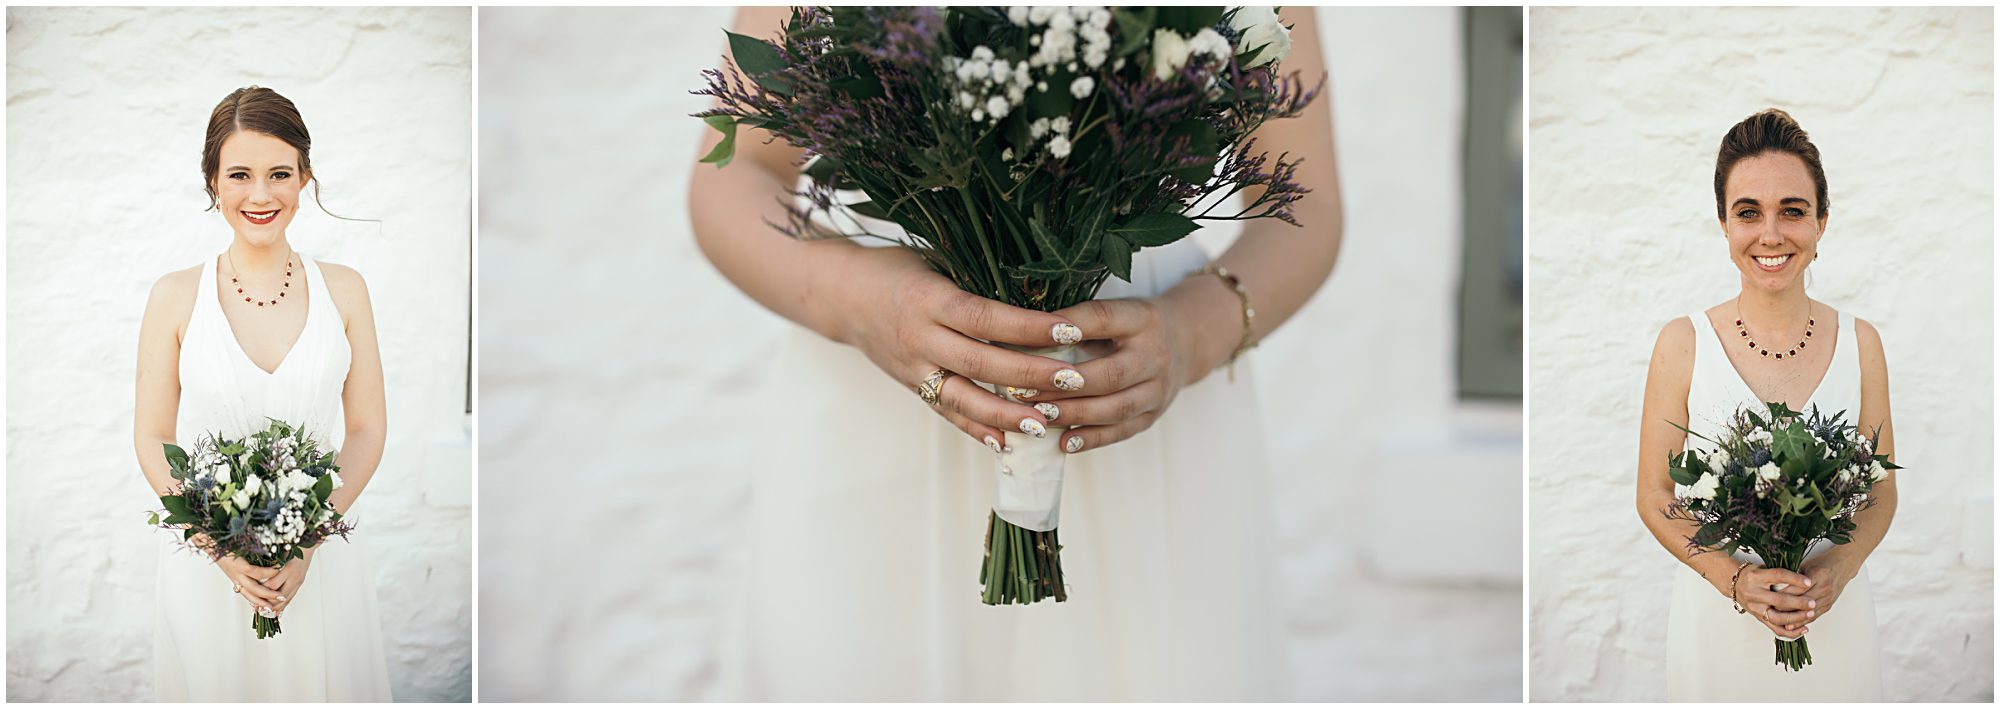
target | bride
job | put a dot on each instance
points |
(1771, 343)
(868, 507)
(260, 331)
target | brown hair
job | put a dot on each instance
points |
(1768, 131)
(259, 110)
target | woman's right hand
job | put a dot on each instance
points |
(248, 581)
(1785, 610)
(911, 321)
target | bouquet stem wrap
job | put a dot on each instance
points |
(1023, 562)
(1792, 653)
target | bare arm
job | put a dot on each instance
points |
(1831, 571)
(1281, 265)
(157, 399)
(366, 409)
(1667, 381)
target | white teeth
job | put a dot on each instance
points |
(1772, 261)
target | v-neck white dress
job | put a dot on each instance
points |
(1717, 654)
(331, 645)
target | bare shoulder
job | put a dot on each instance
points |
(348, 290)
(1673, 350)
(173, 295)
(1870, 343)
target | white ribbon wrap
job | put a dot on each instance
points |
(1028, 480)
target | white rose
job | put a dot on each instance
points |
(1770, 472)
(242, 499)
(1876, 473)
(336, 480)
(1208, 42)
(222, 475)
(1704, 488)
(1718, 460)
(1260, 27)
(1759, 436)
(253, 484)
(1170, 53)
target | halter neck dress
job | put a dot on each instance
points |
(1717, 654)
(331, 645)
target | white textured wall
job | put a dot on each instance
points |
(106, 109)
(1627, 108)
(592, 291)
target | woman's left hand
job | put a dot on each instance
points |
(1830, 574)
(1146, 350)
(288, 580)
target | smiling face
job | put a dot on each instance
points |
(1771, 220)
(257, 186)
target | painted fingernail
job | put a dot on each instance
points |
(1074, 444)
(1049, 411)
(993, 444)
(1069, 380)
(281, 599)
(1810, 614)
(1020, 393)
(1066, 334)
(1810, 603)
(1033, 428)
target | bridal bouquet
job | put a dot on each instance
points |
(1777, 483)
(262, 499)
(1026, 153)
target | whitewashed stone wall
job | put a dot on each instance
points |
(593, 295)
(1627, 107)
(106, 109)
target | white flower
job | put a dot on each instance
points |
(1059, 146)
(336, 480)
(1001, 70)
(1876, 473)
(1060, 124)
(1208, 43)
(982, 54)
(1704, 488)
(1082, 86)
(997, 107)
(222, 475)
(966, 100)
(1846, 475)
(1259, 27)
(1717, 460)
(1018, 14)
(1759, 437)
(1170, 53)
(253, 484)
(1770, 472)
(242, 499)
(1038, 128)
(978, 114)
(1007, 154)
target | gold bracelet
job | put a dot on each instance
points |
(1249, 314)
(1733, 578)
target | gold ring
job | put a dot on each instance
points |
(932, 386)
(235, 588)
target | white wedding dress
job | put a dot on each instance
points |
(331, 645)
(864, 542)
(1713, 652)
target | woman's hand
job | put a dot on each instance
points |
(248, 581)
(284, 582)
(911, 321)
(1785, 611)
(1830, 574)
(1155, 347)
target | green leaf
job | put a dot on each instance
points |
(324, 487)
(1677, 468)
(1790, 440)
(153, 519)
(1155, 229)
(178, 458)
(1203, 141)
(1186, 21)
(725, 150)
(759, 59)
(176, 505)
(1708, 535)
(1117, 255)
(1047, 243)
(1045, 268)
(871, 210)
(1135, 27)
(858, 86)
